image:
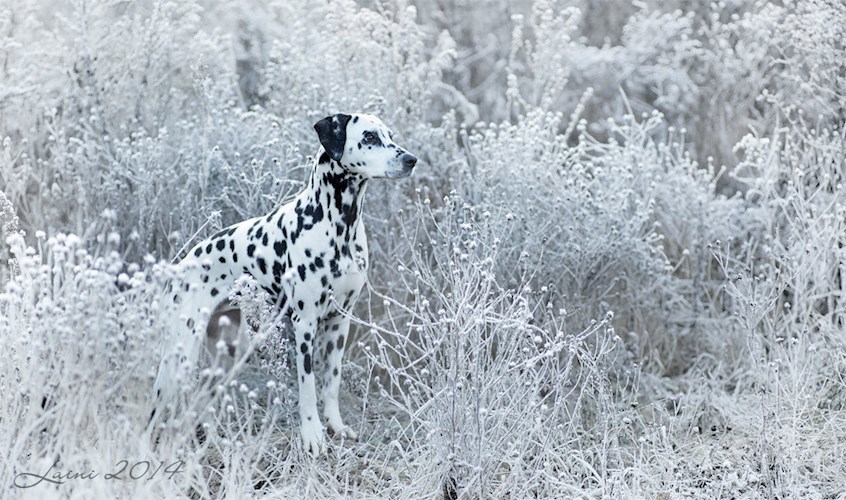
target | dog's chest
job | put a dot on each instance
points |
(321, 262)
(349, 272)
(311, 251)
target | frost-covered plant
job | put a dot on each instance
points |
(375, 61)
(783, 286)
(142, 125)
(151, 124)
(716, 68)
(617, 225)
(82, 330)
(493, 380)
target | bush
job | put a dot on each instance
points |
(617, 272)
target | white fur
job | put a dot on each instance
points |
(307, 253)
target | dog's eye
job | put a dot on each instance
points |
(370, 138)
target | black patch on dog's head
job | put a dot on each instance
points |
(332, 132)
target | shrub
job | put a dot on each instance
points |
(617, 271)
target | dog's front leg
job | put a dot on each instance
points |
(337, 331)
(310, 427)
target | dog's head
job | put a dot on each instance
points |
(363, 145)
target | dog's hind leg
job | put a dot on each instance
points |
(183, 345)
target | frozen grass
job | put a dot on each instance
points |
(582, 292)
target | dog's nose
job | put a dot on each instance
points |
(409, 160)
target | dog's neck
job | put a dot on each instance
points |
(340, 191)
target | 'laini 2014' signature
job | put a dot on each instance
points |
(141, 469)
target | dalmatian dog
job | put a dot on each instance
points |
(310, 255)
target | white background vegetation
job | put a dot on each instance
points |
(617, 272)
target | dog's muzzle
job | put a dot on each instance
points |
(408, 161)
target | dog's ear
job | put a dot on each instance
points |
(332, 132)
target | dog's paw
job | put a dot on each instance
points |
(343, 431)
(313, 441)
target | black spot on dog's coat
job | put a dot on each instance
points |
(280, 247)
